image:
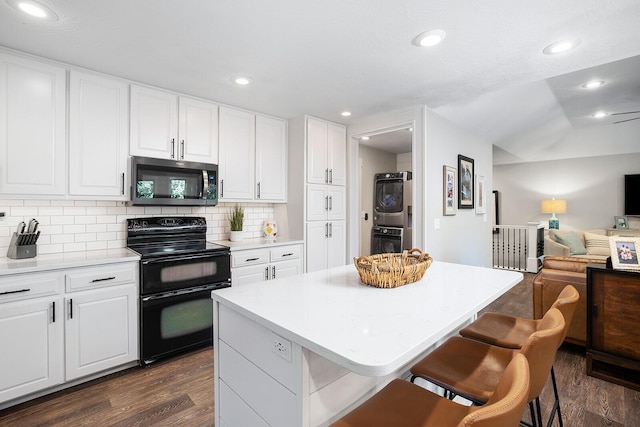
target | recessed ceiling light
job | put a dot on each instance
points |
(592, 84)
(429, 38)
(599, 114)
(560, 46)
(365, 138)
(33, 9)
(242, 80)
(345, 113)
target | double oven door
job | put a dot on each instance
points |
(176, 312)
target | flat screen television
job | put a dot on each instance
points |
(632, 194)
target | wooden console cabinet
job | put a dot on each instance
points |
(613, 313)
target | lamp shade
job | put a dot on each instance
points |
(554, 206)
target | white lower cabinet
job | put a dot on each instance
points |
(32, 356)
(100, 330)
(325, 244)
(62, 325)
(261, 264)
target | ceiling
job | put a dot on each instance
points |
(320, 58)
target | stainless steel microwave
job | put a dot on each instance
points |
(157, 182)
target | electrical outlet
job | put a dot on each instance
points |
(281, 347)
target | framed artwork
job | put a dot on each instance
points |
(481, 195)
(465, 182)
(449, 190)
(621, 221)
(624, 252)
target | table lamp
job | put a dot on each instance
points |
(553, 207)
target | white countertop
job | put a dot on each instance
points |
(257, 243)
(370, 331)
(66, 260)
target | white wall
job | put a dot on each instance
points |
(464, 238)
(592, 186)
(69, 226)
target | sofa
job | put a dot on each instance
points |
(556, 273)
(593, 244)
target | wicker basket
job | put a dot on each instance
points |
(392, 270)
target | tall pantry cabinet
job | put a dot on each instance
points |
(316, 211)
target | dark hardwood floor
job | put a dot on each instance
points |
(179, 392)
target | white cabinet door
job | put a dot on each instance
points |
(198, 131)
(271, 159)
(317, 202)
(337, 154)
(32, 127)
(336, 244)
(250, 274)
(101, 329)
(32, 351)
(286, 268)
(336, 196)
(317, 160)
(316, 245)
(154, 123)
(98, 136)
(237, 154)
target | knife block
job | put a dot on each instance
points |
(17, 251)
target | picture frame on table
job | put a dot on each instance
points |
(624, 252)
(621, 222)
(449, 190)
(481, 195)
(465, 182)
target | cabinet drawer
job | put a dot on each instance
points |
(251, 257)
(99, 277)
(25, 286)
(283, 253)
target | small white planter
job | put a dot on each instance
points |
(236, 236)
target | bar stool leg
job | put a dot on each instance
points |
(556, 404)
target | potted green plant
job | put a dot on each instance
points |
(236, 218)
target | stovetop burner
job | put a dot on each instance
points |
(169, 236)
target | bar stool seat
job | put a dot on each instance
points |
(402, 403)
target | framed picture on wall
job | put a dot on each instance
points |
(481, 196)
(465, 182)
(449, 190)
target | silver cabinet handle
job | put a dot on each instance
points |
(266, 273)
(330, 229)
(330, 203)
(326, 230)
(122, 190)
(258, 189)
(222, 188)
(182, 149)
(330, 176)
(103, 279)
(326, 176)
(326, 203)
(273, 272)
(173, 148)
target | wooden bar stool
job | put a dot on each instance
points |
(401, 403)
(511, 332)
(471, 368)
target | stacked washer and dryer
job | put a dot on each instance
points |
(392, 216)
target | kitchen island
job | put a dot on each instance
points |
(303, 350)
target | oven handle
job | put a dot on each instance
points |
(183, 292)
(183, 257)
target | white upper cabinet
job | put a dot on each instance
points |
(32, 127)
(98, 136)
(166, 126)
(198, 130)
(237, 154)
(271, 159)
(326, 152)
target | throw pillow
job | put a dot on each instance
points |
(597, 244)
(576, 247)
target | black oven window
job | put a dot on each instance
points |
(186, 318)
(389, 196)
(182, 272)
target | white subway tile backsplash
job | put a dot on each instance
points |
(68, 225)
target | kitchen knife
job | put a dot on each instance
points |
(33, 224)
(21, 227)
